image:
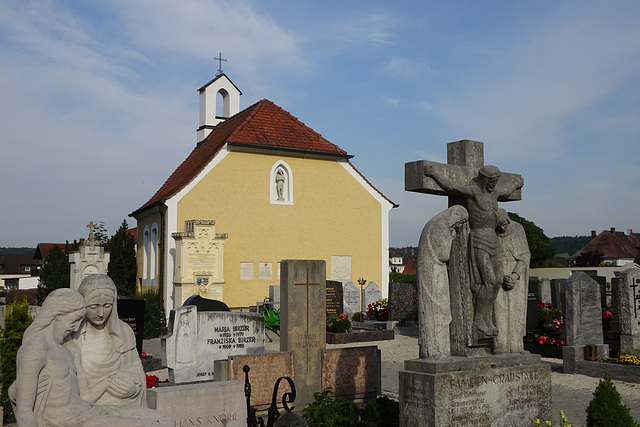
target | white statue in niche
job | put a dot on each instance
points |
(108, 352)
(280, 184)
(48, 384)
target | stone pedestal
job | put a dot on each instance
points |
(506, 390)
(574, 355)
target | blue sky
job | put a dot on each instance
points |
(98, 101)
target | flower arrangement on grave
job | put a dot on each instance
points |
(606, 313)
(358, 317)
(339, 323)
(547, 340)
(152, 380)
(625, 358)
(379, 309)
(549, 317)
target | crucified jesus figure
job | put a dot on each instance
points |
(485, 260)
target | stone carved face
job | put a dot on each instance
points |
(66, 324)
(99, 306)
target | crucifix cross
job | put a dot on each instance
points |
(306, 285)
(220, 61)
(91, 226)
(464, 159)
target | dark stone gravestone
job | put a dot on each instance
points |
(205, 304)
(605, 291)
(558, 297)
(334, 298)
(532, 305)
(131, 312)
(401, 297)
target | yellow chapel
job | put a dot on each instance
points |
(259, 187)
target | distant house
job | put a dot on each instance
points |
(14, 267)
(399, 260)
(618, 247)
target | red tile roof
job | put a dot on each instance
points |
(262, 125)
(42, 250)
(613, 244)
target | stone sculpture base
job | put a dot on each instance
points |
(506, 390)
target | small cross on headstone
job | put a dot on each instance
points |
(220, 61)
(91, 226)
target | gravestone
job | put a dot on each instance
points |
(630, 309)
(532, 305)
(558, 293)
(199, 261)
(545, 290)
(334, 298)
(350, 299)
(90, 259)
(197, 339)
(615, 325)
(274, 296)
(582, 320)
(131, 312)
(372, 293)
(302, 322)
(401, 296)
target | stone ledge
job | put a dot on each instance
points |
(459, 364)
(627, 373)
(360, 335)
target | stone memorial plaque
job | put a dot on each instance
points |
(350, 298)
(341, 268)
(372, 293)
(302, 323)
(197, 339)
(334, 298)
(266, 270)
(246, 271)
(583, 314)
(629, 285)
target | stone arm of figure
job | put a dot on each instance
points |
(519, 270)
(509, 186)
(123, 385)
(432, 171)
(31, 359)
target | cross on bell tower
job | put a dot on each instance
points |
(220, 61)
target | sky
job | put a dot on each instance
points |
(99, 104)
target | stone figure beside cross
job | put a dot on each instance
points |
(478, 187)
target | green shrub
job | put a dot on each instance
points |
(358, 317)
(16, 320)
(381, 412)
(154, 315)
(339, 324)
(329, 410)
(606, 408)
(402, 278)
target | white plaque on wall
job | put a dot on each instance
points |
(341, 268)
(266, 270)
(246, 271)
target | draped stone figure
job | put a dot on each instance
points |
(108, 352)
(510, 309)
(47, 391)
(434, 304)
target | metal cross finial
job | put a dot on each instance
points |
(220, 61)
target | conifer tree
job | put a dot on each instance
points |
(55, 273)
(606, 408)
(122, 261)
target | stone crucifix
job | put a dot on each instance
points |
(475, 279)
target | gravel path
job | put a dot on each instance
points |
(570, 392)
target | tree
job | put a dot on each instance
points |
(589, 259)
(100, 234)
(606, 408)
(541, 251)
(16, 321)
(55, 273)
(122, 262)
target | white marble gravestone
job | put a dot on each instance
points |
(350, 299)
(199, 260)
(90, 259)
(372, 293)
(195, 340)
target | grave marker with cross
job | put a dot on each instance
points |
(303, 322)
(464, 160)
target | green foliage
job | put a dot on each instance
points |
(381, 412)
(539, 244)
(358, 317)
(16, 320)
(402, 278)
(339, 324)
(55, 273)
(589, 259)
(329, 410)
(122, 261)
(100, 234)
(271, 318)
(154, 316)
(606, 408)
(568, 245)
